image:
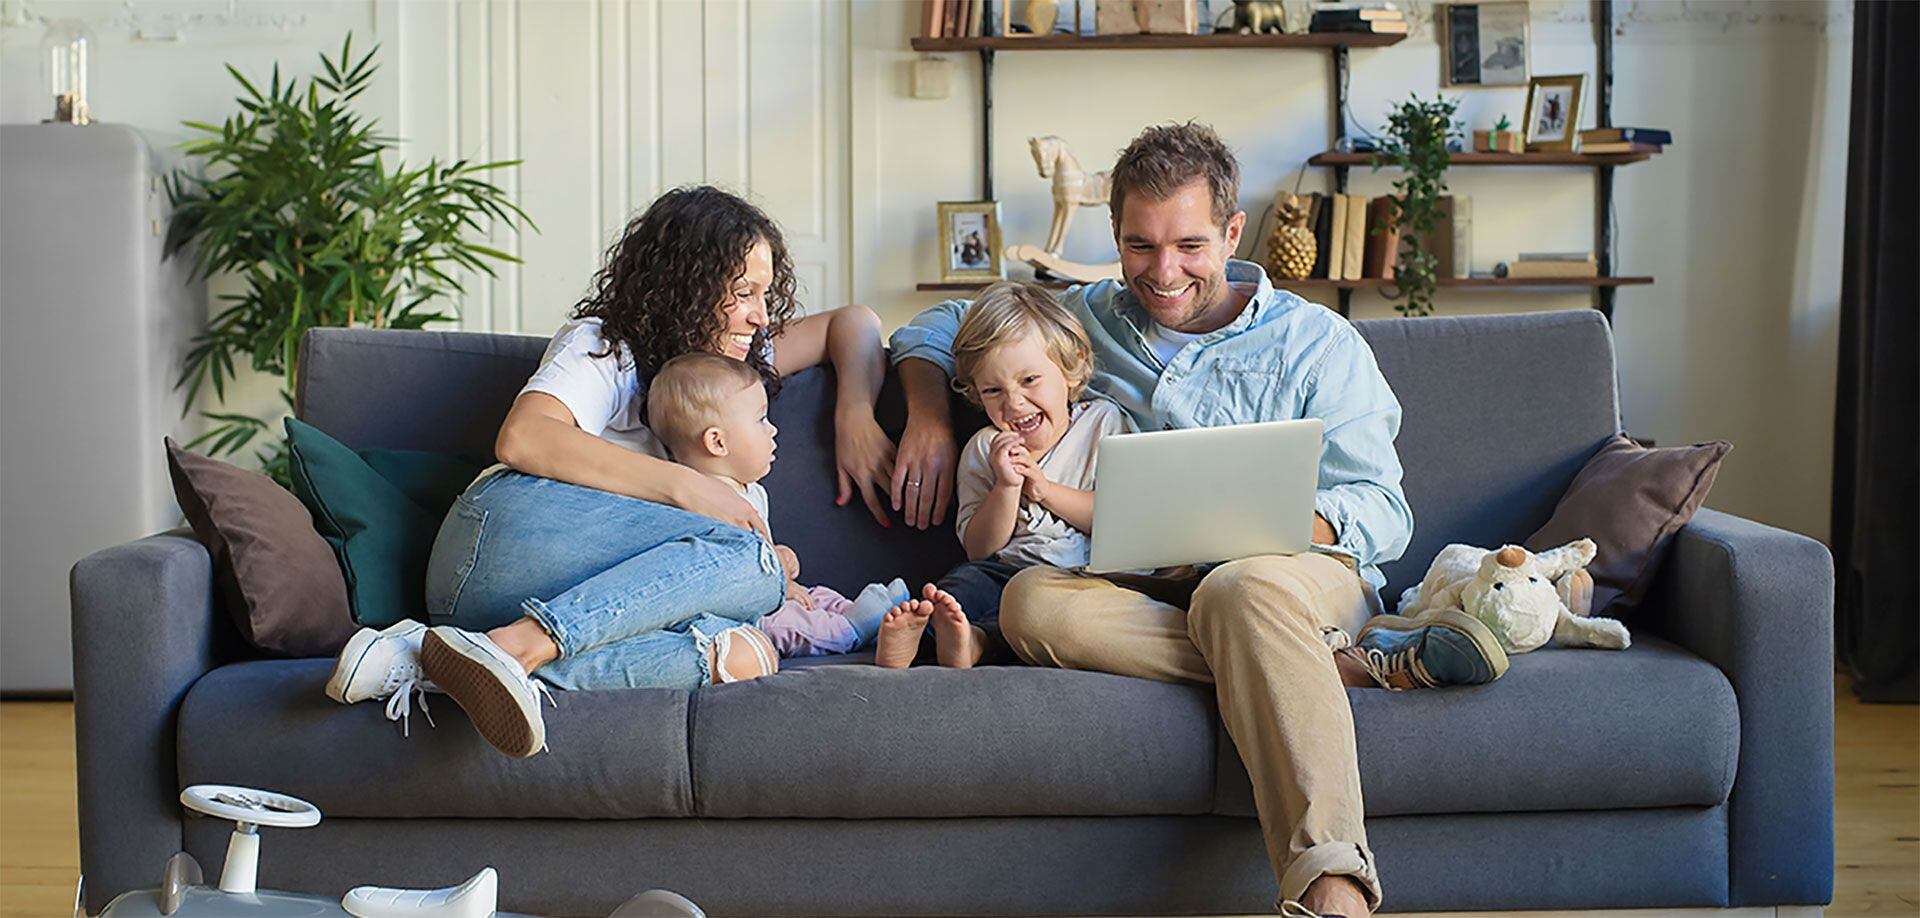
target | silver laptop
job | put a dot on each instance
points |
(1204, 495)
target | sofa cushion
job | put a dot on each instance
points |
(855, 741)
(1631, 500)
(1649, 726)
(267, 723)
(279, 580)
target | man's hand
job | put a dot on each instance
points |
(923, 472)
(1323, 533)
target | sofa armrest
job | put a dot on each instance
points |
(1758, 603)
(145, 628)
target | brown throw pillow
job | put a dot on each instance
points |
(1630, 500)
(279, 579)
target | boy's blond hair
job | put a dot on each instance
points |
(685, 397)
(1007, 311)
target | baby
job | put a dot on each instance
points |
(711, 413)
(1025, 485)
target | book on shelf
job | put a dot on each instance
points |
(1382, 250)
(1322, 233)
(1619, 147)
(1331, 16)
(930, 13)
(1460, 210)
(1524, 269)
(1376, 27)
(1659, 136)
(1554, 256)
(1353, 249)
(1348, 6)
(1337, 238)
(1449, 240)
(977, 17)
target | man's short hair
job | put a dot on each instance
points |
(1006, 312)
(1166, 157)
(686, 396)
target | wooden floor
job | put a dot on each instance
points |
(1877, 837)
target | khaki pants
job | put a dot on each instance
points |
(1256, 629)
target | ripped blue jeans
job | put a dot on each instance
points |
(633, 592)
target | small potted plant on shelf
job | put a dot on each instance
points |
(302, 204)
(1502, 139)
(1418, 135)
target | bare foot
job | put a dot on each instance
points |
(900, 632)
(957, 642)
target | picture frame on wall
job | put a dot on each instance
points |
(1485, 44)
(970, 242)
(1553, 112)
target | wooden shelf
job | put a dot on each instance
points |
(1321, 283)
(1157, 42)
(1496, 159)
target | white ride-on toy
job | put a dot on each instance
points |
(183, 891)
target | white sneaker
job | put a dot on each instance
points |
(473, 899)
(384, 664)
(488, 683)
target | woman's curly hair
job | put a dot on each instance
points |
(659, 295)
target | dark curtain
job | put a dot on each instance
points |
(1875, 458)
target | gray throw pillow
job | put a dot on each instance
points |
(1630, 500)
(279, 580)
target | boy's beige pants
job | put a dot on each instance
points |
(1257, 630)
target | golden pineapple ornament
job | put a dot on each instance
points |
(1291, 249)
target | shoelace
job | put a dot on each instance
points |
(1381, 665)
(404, 680)
(540, 689)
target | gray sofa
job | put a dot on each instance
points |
(1694, 769)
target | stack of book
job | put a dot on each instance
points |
(1553, 264)
(1625, 140)
(1348, 247)
(955, 19)
(1376, 16)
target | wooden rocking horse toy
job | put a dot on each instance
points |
(1073, 187)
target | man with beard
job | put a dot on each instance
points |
(1193, 338)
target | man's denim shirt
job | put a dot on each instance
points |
(1282, 358)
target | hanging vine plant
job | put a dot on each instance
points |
(299, 201)
(1418, 135)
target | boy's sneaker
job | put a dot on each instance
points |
(384, 664)
(1438, 648)
(499, 697)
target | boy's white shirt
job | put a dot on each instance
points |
(1039, 537)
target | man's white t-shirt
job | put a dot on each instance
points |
(1039, 537)
(1165, 342)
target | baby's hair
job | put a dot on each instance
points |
(685, 397)
(1004, 313)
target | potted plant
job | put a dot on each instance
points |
(1502, 139)
(1418, 135)
(300, 204)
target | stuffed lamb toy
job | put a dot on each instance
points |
(1524, 598)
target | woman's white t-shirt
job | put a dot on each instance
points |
(607, 395)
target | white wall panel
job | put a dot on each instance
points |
(610, 102)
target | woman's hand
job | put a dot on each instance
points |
(923, 471)
(865, 458)
(697, 493)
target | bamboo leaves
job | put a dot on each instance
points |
(297, 199)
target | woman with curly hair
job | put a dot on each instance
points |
(586, 556)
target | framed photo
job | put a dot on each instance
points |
(970, 242)
(1553, 112)
(1485, 44)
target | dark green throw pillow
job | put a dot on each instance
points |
(379, 509)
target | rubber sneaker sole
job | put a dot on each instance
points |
(1453, 619)
(502, 708)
